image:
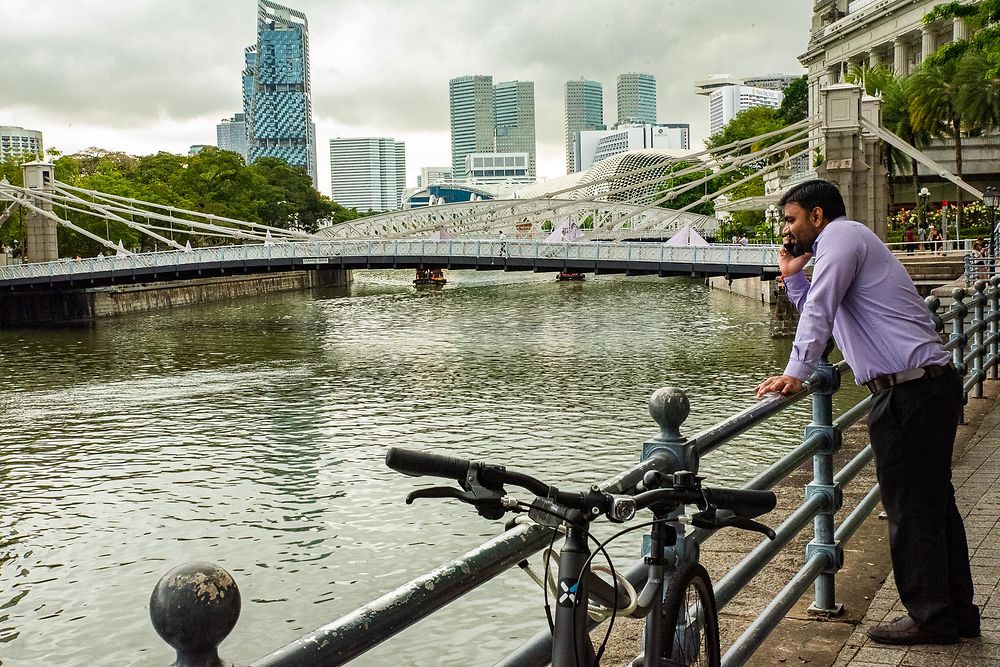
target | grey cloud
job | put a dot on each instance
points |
(385, 63)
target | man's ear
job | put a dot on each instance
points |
(817, 215)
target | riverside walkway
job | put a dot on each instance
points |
(976, 476)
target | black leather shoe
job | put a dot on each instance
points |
(969, 632)
(904, 631)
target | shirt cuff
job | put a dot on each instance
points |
(797, 281)
(799, 370)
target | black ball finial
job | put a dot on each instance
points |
(193, 608)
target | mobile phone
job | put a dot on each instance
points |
(793, 249)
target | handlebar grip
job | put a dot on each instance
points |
(743, 502)
(416, 464)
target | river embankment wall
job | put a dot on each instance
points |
(40, 307)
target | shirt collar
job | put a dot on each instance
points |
(820, 235)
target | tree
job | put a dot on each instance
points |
(688, 196)
(795, 103)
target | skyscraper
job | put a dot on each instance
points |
(636, 98)
(231, 134)
(473, 121)
(515, 119)
(277, 96)
(368, 173)
(584, 111)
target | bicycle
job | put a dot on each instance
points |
(682, 626)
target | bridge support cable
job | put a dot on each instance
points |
(144, 229)
(729, 163)
(896, 142)
(731, 186)
(79, 230)
(738, 163)
(130, 205)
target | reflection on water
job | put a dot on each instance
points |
(252, 434)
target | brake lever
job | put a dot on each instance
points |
(436, 492)
(486, 502)
(712, 519)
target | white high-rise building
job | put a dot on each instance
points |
(367, 173)
(596, 145)
(432, 175)
(231, 134)
(515, 118)
(473, 120)
(725, 102)
(584, 102)
(636, 98)
(496, 168)
(19, 142)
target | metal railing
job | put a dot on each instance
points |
(195, 623)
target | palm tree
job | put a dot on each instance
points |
(978, 91)
(896, 99)
(935, 108)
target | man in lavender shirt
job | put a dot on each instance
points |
(862, 295)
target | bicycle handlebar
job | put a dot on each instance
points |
(416, 464)
(742, 502)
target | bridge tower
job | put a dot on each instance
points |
(41, 242)
(853, 157)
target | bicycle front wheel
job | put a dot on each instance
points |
(691, 619)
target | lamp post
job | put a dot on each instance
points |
(991, 199)
(773, 217)
(923, 196)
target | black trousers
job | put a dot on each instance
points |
(912, 428)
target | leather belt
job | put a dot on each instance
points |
(883, 382)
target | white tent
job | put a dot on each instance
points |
(566, 230)
(686, 236)
(440, 234)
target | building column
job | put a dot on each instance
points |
(959, 29)
(832, 72)
(899, 56)
(874, 58)
(927, 42)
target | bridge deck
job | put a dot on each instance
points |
(630, 258)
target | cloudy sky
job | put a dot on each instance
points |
(148, 75)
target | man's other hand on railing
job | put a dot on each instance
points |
(783, 384)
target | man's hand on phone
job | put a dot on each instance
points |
(789, 264)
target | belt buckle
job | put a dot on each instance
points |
(908, 374)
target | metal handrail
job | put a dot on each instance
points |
(363, 628)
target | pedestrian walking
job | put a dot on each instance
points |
(744, 240)
(503, 242)
(916, 404)
(911, 238)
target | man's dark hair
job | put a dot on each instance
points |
(818, 192)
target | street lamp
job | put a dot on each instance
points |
(773, 216)
(923, 197)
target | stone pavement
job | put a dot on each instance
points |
(976, 476)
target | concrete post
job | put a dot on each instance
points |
(877, 176)
(41, 242)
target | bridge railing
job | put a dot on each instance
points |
(194, 622)
(429, 249)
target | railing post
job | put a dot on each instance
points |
(994, 319)
(193, 608)
(669, 407)
(827, 378)
(979, 323)
(960, 310)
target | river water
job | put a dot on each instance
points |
(252, 434)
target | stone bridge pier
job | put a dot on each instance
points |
(853, 157)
